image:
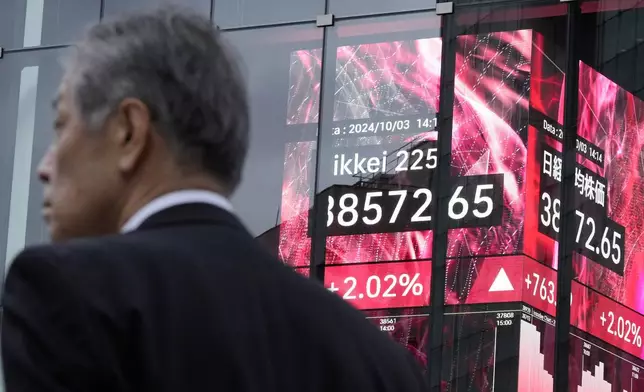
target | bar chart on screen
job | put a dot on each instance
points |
(594, 365)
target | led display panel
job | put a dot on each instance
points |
(380, 152)
(507, 87)
(609, 185)
(294, 240)
(606, 297)
(594, 365)
(377, 155)
(408, 327)
(488, 131)
(504, 80)
(481, 348)
(381, 285)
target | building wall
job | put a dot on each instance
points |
(473, 83)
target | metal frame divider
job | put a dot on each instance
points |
(318, 245)
(442, 174)
(566, 246)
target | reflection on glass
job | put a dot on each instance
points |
(481, 346)
(28, 81)
(508, 84)
(118, 7)
(608, 185)
(408, 327)
(378, 150)
(281, 159)
(238, 13)
(610, 122)
(379, 141)
(362, 7)
(31, 23)
(22, 161)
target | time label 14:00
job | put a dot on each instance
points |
(475, 201)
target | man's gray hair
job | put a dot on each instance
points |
(176, 63)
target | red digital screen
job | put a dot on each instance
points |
(608, 191)
(408, 327)
(381, 285)
(298, 178)
(304, 271)
(489, 280)
(521, 279)
(378, 147)
(611, 120)
(480, 349)
(594, 365)
(542, 213)
(540, 287)
(504, 279)
(491, 102)
(507, 83)
(379, 152)
(604, 318)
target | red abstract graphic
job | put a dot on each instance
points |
(613, 119)
(383, 80)
(304, 87)
(490, 119)
(294, 243)
(388, 78)
(299, 161)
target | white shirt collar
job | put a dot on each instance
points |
(173, 199)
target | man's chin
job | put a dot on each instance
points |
(55, 235)
(60, 233)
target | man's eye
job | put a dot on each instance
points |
(58, 125)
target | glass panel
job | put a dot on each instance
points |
(116, 7)
(27, 23)
(408, 327)
(366, 7)
(29, 81)
(282, 67)
(238, 13)
(377, 155)
(607, 309)
(379, 135)
(507, 111)
(481, 349)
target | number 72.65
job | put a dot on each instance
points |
(611, 244)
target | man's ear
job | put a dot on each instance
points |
(132, 134)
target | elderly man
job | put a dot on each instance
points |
(152, 283)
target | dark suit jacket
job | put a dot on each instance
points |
(189, 302)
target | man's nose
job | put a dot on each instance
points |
(44, 167)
